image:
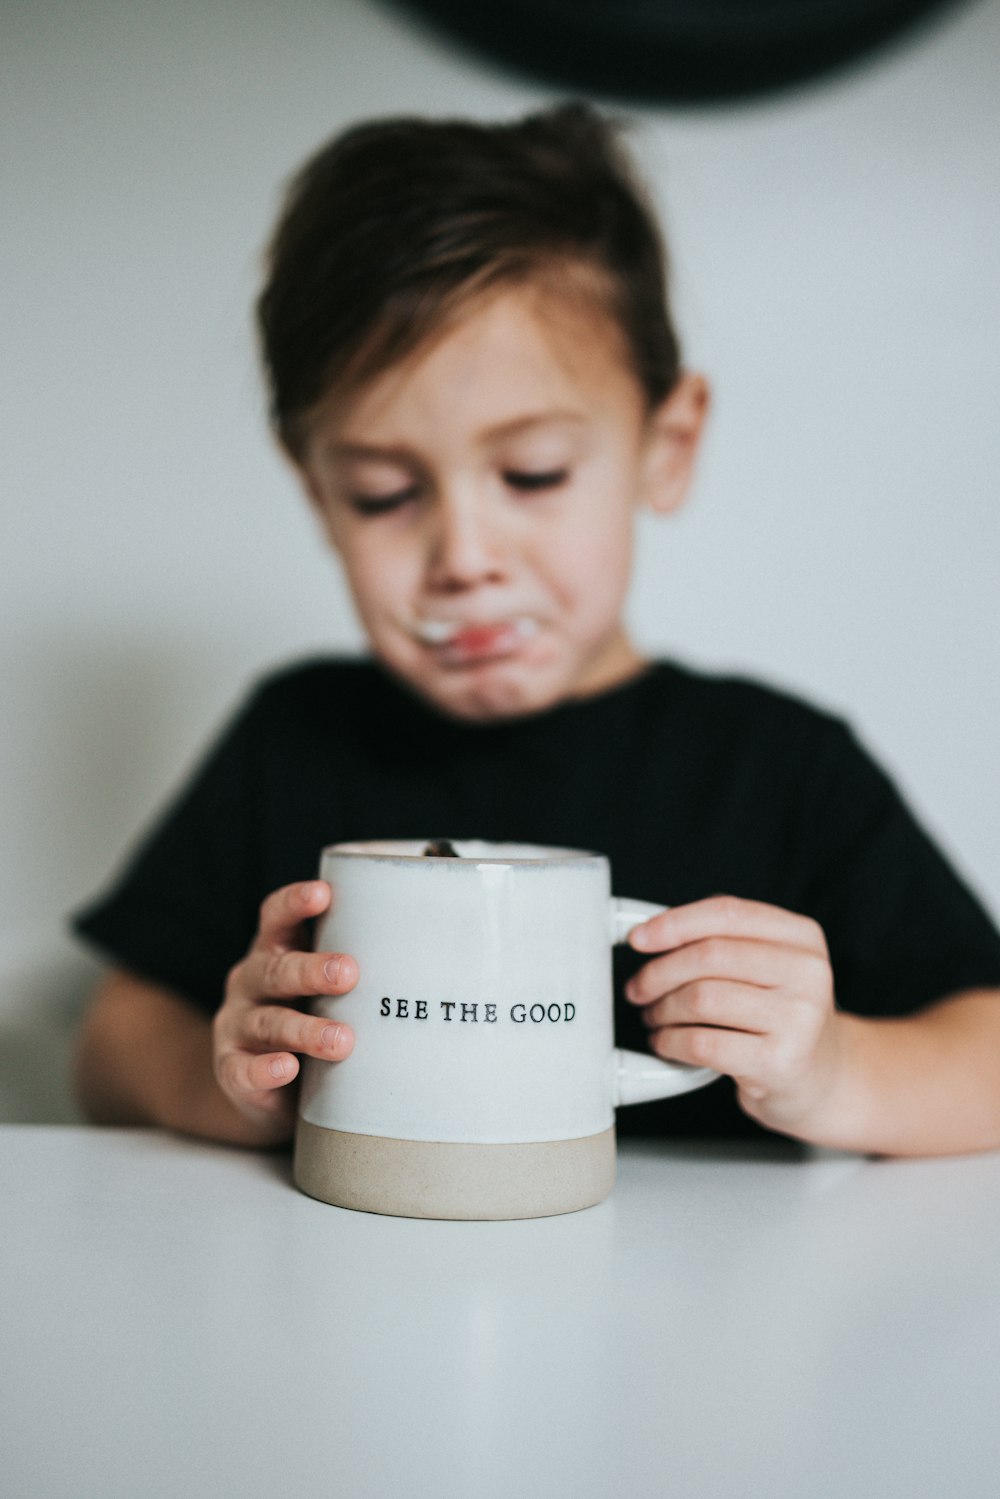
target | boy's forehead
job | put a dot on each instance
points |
(511, 364)
(347, 446)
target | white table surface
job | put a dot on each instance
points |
(177, 1320)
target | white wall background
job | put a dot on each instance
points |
(837, 276)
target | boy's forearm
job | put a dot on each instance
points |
(925, 1084)
(145, 1058)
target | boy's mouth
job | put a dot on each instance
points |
(457, 644)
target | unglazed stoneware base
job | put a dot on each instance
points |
(431, 1179)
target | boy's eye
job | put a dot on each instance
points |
(518, 479)
(381, 504)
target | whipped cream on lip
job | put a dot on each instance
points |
(459, 641)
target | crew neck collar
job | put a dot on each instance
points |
(574, 708)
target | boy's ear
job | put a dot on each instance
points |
(674, 436)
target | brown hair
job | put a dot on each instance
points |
(396, 222)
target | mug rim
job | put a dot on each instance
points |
(387, 850)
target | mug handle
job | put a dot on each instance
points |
(636, 1076)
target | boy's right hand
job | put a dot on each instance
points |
(257, 1033)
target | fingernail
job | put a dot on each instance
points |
(331, 1036)
(640, 938)
(276, 1068)
(332, 969)
(630, 992)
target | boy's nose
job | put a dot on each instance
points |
(465, 548)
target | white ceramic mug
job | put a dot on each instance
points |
(484, 1078)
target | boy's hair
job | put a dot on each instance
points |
(397, 222)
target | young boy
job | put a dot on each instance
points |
(474, 375)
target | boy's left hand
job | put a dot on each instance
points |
(747, 989)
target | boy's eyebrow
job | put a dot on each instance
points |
(535, 419)
(347, 448)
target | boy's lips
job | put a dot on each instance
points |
(457, 643)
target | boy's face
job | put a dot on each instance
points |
(481, 495)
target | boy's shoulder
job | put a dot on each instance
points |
(317, 684)
(310, 698)
(772, 746)
(733, 723)
(742, 700)
(308, 673)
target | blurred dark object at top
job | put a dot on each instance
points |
(674, 51)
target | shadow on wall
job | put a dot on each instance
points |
(103, 730)
(37, 1041)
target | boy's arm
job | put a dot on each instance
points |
(924, 1084)
(747, 989)
(146, 1056)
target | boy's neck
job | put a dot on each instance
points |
(619, 662)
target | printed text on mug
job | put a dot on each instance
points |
(449, 1009)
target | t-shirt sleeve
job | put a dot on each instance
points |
(184, 907)
(903, 927)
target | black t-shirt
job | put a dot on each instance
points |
(692, 785)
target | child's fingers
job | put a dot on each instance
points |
(292, 975)
(283, 912)
(272, 1028)
(257, 1081)
(764, 964)
(716, 1002)
(737, 1054)
(712, 958)
(243, 1074)
(727, 916)
(257, 1038)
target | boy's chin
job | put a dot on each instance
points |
(490, 702)
(487, 693)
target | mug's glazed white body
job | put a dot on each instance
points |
(484, 1077)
